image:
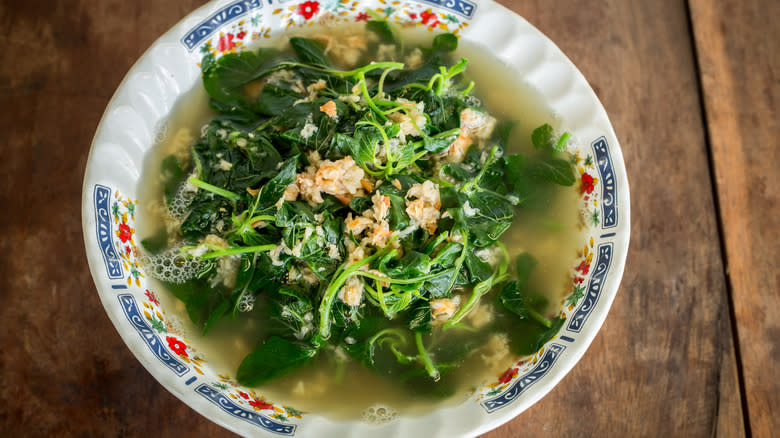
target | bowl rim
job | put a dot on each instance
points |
(620, 238)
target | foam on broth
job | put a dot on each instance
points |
(548, 230)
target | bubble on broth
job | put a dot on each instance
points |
(172, 266)
(177, 208)
(379, 414)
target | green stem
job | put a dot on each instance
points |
(261, 217)
(348, 73)
(402, 280)
(470, 186)
(369, 100)
(214, 189)
(436, 242)
(382, 132)
(468, 89)
(480, 289)
(381, 82)
(381, 298)
(237, 250)
(333, 288)
(539, 318)
(430, 367)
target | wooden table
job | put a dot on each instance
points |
(690, 347)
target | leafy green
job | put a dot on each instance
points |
(275, 357)
(260, 199)
(525, 264)
(554, 170)
(445, 42)
(171, 176)
(310, 51)
(224, 78)
(382, 30)
(419, 318)
(543, 138)
(529, 336)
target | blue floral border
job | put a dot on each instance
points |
(101, 199)
(597, 278)
(609, 216)
(224, 403)
(543, 366)
(229, 13)
(461, 7)
(151, 339)
(199, 33)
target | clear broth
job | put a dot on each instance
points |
(549, 232)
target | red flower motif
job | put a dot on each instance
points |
(583, 268)
(508, 375)
(429, 18)
(128, 250)
(587, 184)
(362, 17)
(413, 16)
(261, 404)
(152, 297)
(125, 233)
(243, 394)
(225, 42)
(177, 346)
(308, 9)
(241, 35)
(578, 280)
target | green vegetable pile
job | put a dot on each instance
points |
(324, 283)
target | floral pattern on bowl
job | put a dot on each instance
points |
(158, 340)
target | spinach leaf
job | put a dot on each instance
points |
(396, 216)
(310, 51)
(275, 100)
(359, 204)
(519, 302)
(293, 308)
(479, 270)
(419, 317)
(525, 265)
(216, 314)
(528, 336)
(275, 357)
(515, 175)
(413, 264)
(171, 177)
(543, 138)
(157, 242)
(441, 285)
(382, 30)
(553, 170)
(224, 78)
(274, 189)
(445, 42)
(203, 216)
(447, 254)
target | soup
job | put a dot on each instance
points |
(331, 224)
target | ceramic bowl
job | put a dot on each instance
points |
(138, 113)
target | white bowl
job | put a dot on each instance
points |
(139, 110)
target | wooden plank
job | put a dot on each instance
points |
(65, 370)
(737, 46)
(655, 368)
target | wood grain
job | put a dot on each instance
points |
(663, 363)
(737, 44)
(654, 368)
(65, 370)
